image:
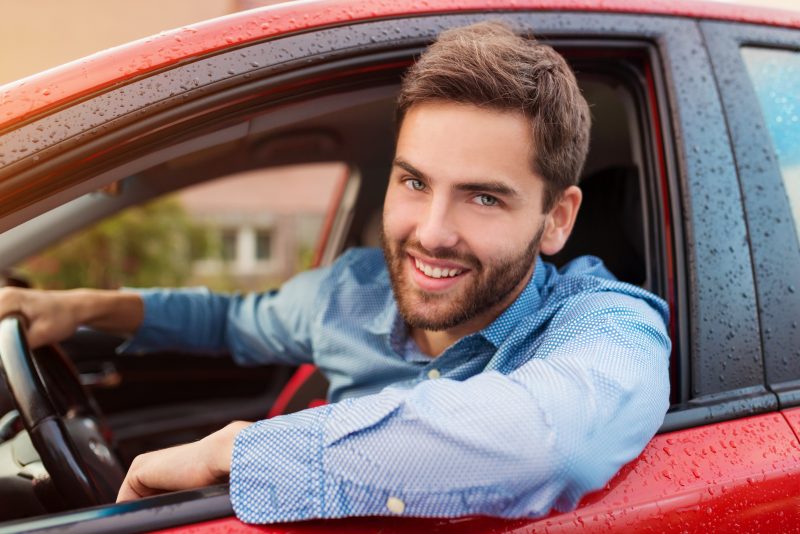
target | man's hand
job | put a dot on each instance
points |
(54, 316)
(189, 466)
(51, 315)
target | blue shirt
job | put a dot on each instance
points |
(543, 405)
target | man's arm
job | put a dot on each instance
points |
(515, 445)
(55, 315)
(256, 328)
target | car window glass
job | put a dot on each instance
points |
(776, 77)
(249, 231)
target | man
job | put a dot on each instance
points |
(467, 376)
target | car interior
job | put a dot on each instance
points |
(158, 400)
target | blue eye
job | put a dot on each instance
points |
(414, 184)
(486, 200)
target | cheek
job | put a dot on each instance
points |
(496, 237)
(398, 216)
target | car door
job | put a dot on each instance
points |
(723, 428)
(725, 458)
(758, 68)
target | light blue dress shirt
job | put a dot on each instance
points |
(540, 407)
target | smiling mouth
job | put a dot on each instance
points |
(435, 271)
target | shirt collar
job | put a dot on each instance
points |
(385, 322)
(527, 303)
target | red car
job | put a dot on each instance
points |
(694, 153)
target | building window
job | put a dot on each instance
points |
(228, 238)
(263, 244)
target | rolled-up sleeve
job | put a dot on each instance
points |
(520, 443)
(258, 328)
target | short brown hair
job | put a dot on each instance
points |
(487, 65)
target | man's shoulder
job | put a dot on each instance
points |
(361, 266)
(587, 278)
(588, 268)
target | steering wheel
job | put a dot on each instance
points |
(63, 420)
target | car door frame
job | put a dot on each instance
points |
(720, 363)
(773, 238)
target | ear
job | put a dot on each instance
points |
(560, 220)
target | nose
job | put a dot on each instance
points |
(436, 229)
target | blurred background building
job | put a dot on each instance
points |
(38, 34)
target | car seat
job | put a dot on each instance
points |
(610, 224)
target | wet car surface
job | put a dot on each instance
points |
(683, 149)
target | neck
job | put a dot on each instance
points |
(435, 342)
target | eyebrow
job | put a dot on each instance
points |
(489, 186)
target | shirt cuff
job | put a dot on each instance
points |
(143, 339)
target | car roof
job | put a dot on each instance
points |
(42, 92)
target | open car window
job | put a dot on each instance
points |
(622, 176)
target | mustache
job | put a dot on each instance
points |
(469, 260)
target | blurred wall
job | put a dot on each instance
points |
(39, 34)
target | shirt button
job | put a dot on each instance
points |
(395, 505)
(433, 374)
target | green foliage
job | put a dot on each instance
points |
(144, 246)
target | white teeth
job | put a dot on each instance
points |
(436, 272)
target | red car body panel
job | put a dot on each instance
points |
(290, 389)
(31, 96)
(684, 481)
(793, 417)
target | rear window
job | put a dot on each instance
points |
(776, 77)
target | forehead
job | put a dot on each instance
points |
(451, 141)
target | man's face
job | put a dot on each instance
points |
(462, 218)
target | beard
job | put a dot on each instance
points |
(489, 283)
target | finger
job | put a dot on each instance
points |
(127, 493)
(9, 301)
(134, 488)
(135, 485)
(39, 334)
